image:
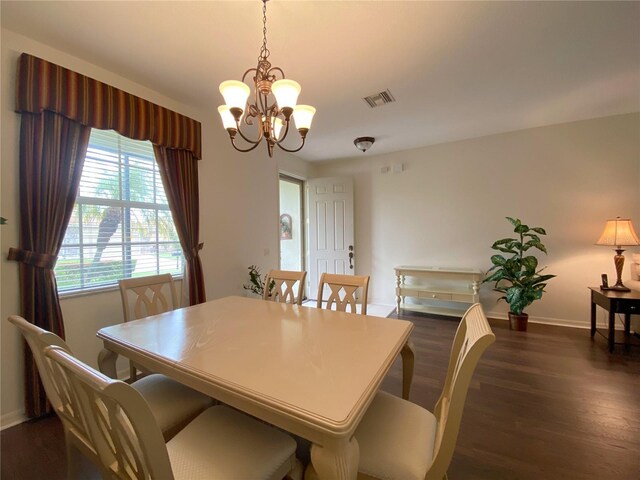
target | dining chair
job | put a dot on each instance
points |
(172, 404)
(220, 443)
(342, 292)
(401, 440)
(343, 289)
(145, 296)
(285, 284)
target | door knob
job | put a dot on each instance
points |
(351, 257)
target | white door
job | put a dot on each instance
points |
(330, 210)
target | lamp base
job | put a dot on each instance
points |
(616, 288)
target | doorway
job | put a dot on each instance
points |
(331, 232)
(291, 223)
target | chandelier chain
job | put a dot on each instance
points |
(264, 51)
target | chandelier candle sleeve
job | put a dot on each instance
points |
(269, 110)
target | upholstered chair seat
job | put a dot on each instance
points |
(399, 440)
(219, 444)
(396, 439)
(173, 404)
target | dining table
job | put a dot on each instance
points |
(312, 372)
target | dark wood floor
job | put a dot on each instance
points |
(545, 404)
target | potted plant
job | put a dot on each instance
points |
(256, 284)
(516, 274)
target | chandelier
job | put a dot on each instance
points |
(273, 118)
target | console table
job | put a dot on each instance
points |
(626, 303)
(436, 283)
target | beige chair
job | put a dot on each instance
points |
(343, 289)
(342, 292)
(221, 443)
(143, 297)
(173, 405)
(284, 283)
(401, 440)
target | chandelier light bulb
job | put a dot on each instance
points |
(286, 92)
(227, 118)
(277, 124)
(235, 93)
(303, 115)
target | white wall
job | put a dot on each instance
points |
(448, 206)
(238, 216)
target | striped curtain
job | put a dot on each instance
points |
(59, 107)
(52, 151)
(44, 85)
(179, 172)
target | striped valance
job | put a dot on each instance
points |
(43, 85)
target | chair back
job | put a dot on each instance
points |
(343, 289)
(145, 296)
(57, 389)
(288, 286)
(472, 338)
(128, 439)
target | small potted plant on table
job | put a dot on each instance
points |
(516, 274)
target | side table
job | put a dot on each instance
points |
(626, 303)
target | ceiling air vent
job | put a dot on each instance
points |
(379, 99)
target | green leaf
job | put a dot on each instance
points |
(530, 263)
(532, 237)
(514, 221)
(498, 260)
(521, 228)
(542, 278)
(539, 230)
(502, 242)
(495, 277)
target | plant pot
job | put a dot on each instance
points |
(518, 322)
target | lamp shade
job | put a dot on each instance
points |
(227, 118)
(286, 92)
(277, 126)
(303, 115)
(235, 93)
(618, 232)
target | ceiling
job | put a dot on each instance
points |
(456, 69)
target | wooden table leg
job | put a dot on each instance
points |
(339, 462)
(612, 331)
(408, 357)
(627, 330)
(593, 316)
(107, 363)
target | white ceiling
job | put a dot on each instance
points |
(457, 69)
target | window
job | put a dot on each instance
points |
(121, 224)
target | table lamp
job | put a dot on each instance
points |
(618, 233)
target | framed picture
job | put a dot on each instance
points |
(286, 226)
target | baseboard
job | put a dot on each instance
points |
(12, 419)
(558, 322)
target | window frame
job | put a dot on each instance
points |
(123, 159)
